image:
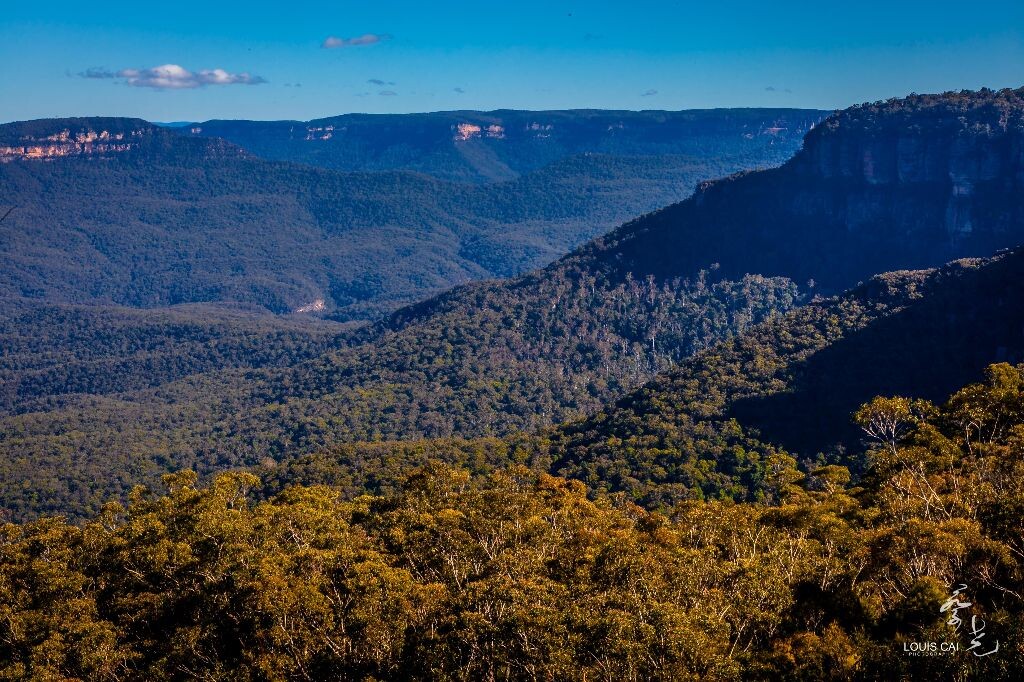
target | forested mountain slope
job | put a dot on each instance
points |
(710, 426)
(492, 146)
(492, 358)
(119, 211)
(480, 370)
(719, 424)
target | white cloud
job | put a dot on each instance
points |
(649, 93)
(332, 42)
(174, 77)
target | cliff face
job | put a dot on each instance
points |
(919, 139)
(50, 139)
(64, 144)
(70, 137)
(958, 150)
(906, 183)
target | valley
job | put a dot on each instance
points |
(582, 394)
(497, 359)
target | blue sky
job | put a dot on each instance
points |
(269, 60)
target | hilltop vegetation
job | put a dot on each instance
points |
(522, 576)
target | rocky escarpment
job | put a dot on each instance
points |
(105, 138)
(905, 183)
(961, 146)
(33, 140)
(65, 144)
(923, 138)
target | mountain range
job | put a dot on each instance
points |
(772, 431)
(908, 183)
(119, 211)
(497, 146)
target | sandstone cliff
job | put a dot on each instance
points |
(905, 183)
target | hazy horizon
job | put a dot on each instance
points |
(258, 61)
(188, 121)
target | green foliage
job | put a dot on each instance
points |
(518, 575)
(710, 426)
(477, 362)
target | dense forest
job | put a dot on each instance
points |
(53, 350)
(520, 575)
(706, 426)
(491, 365)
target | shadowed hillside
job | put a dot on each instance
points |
(905, 183)
(710, 426)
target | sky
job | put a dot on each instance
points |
(303, 60)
